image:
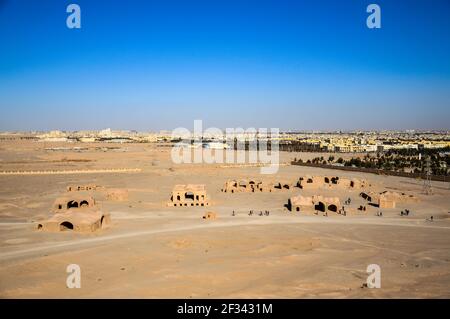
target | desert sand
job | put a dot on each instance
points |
(151, 250)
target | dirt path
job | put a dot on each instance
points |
(74, 244)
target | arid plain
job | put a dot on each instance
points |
(151, 250)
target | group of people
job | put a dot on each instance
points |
(362, 208)
(404, 213)
(342, 211)
(266, 213)
(347, 201)
(251, 212)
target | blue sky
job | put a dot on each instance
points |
(150, 65)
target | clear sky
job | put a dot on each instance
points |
(151, 65)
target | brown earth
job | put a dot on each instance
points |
(153, 251)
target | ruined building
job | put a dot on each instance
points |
(113, 194)
(189, 195)
(210, 215)
(75, 211)
(246, 186)
(308, 182)
(387, 199)
(86, 187)
(313, 203)
(304, 182)
(252, 186)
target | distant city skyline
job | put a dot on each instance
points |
(245, 131)
(158, 65)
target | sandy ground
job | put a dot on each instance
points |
(153, 251)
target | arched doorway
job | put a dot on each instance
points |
(65, 226)
(320, 207)
(332, 208)
(84, 203)
(189, 196)
(72, 204)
